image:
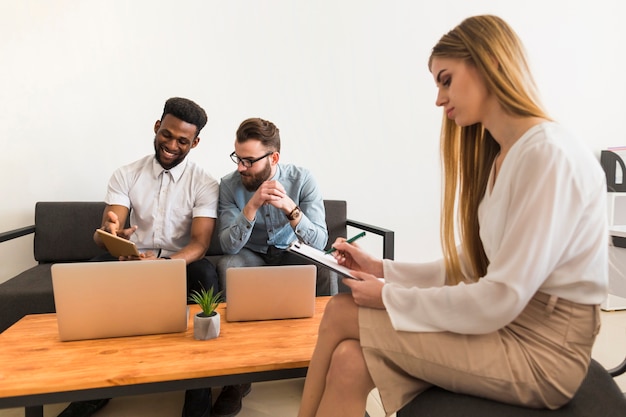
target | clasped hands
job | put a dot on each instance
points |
(272, 192)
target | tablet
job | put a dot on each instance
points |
(116, 245)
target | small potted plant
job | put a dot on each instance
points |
(206, 324)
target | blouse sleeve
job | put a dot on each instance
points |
(405, 274)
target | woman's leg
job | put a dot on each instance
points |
(348, 382)
(337, 342)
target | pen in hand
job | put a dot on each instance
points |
(352, 239)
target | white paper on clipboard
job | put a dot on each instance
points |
(319, 257)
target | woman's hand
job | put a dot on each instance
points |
(367, 291)
(353, 257)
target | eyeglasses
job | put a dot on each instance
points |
(247, 162)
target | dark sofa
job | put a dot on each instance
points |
(63, 233)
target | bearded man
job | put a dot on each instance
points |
(263, 207)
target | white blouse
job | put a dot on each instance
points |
(543, 227)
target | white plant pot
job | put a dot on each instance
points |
(205, 328)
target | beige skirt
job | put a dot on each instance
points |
(539, 360)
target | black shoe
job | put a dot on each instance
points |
(83, 408)
(197, 403)
(228, 404)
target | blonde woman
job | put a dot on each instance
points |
(512, 312)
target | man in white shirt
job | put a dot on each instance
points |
(172, 204)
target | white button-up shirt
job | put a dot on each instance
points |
(163, 202)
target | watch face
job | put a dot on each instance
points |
(295, 213)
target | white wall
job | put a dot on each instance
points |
(82, 82)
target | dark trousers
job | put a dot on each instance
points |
(202, 274)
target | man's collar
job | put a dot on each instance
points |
(175, 172)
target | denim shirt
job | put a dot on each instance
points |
(271, 226)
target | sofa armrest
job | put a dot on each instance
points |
(15, 233)
(387, 235)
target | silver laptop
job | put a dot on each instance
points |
(111, 299)
(270, 292)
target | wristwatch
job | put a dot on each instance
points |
(295, 213)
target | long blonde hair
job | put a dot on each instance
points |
(468, 153)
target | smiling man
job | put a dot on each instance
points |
(172, 204)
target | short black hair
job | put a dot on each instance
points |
(187, 111)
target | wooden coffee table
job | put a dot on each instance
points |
(36, 368)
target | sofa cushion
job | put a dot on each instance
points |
(27, 293)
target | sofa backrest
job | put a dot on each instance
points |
(336, 217)
(64, 230)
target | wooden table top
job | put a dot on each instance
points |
(34, 361)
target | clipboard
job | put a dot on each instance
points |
(319, 257)
(116, 245)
